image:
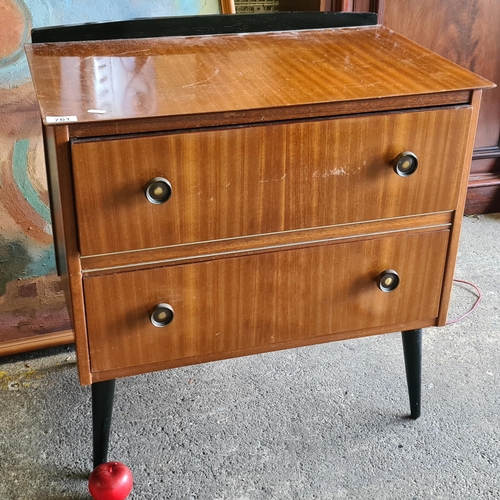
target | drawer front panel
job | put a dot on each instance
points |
(228, 183)
(229, 305)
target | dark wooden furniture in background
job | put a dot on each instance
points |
(466, 32)
(200, 214)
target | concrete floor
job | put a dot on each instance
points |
(323, 422)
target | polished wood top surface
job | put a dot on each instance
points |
(178, 76)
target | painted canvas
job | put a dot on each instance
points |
(31, 298)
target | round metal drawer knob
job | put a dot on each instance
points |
(405, 164)
(388, 280)
(162, 315)
(158, 190)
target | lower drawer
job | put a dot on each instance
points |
(234, 305)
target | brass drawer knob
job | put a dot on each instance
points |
(162, 315)
(158, 190)
(405, 164)
(388, 280)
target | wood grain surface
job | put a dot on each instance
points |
(285, 206)
(230, 305)
(232, 73)
(231, 247)
(248, 181)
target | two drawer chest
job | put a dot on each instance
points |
(219, 195)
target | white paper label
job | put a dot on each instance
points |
(61, 119)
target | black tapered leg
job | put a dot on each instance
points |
(412, 347)
(102, 408)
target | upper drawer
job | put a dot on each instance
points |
(260, 179)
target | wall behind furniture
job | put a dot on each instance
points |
(31, 300)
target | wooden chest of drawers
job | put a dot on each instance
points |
(216, 196)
